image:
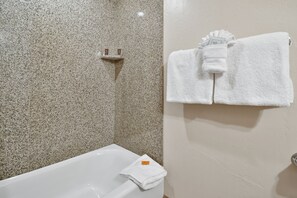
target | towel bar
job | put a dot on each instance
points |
(294, 159)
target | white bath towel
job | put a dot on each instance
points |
(214, 58)
(145, 176)
(258, 72)
(186, 83)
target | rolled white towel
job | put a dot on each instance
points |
(145, 172)
(214, 58)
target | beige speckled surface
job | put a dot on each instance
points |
(139, 82)
(57, 96)
(59, 99)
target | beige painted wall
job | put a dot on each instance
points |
(222, 151)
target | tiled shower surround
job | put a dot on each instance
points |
(139, 84)
(59, 99)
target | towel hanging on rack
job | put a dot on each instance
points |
(258, 72)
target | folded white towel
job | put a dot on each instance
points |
(186, 83)
(145, 176)
(258, 72)
(214, 58)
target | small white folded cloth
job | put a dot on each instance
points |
(186, 82)
(214, 58)
(145, 176)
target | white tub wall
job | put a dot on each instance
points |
(94, 174)
(229, 151)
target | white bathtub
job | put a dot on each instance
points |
(91, 175)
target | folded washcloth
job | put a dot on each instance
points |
(186, 83)
(145, 172)
(258, 72)
(214, 58)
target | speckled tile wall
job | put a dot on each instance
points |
(139, 83)
(57, 96)
(58, 99)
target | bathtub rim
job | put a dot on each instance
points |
(100, 151)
